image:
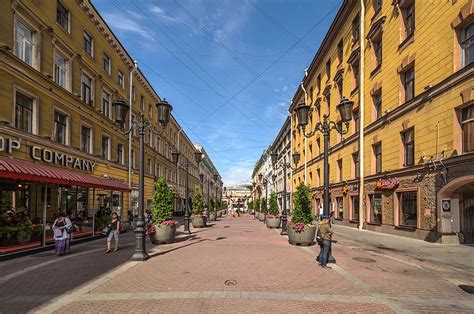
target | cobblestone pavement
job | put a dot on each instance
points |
(235, 265)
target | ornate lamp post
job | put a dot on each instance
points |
(216, 177)
(325, 127)
(121, 109)
(345, 110)
(265, 181)
(285, 166)
(175, 158)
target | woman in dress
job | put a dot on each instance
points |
(114, 232)
(62, 239)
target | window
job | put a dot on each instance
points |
(376, 208)
(355, 160)
(106, 104)
(149, 167)
(328, 69)
(60, 127)
(134, 96)
(377, 100)
(142, 103)
(408, 77)
(377, 149)
(150, 111)
(340, 207)
(87, 90)
(25, 44)
(318, 177)
(340, 52)
(340, 87)
(356, 29)
(339, 135)
(133, 158)
(88, 44)
(355, 115)
(86, 139)
(61, 70)
(105, 151)
(107, 64)
(23, 113)
(408, 139)
(120, 158)
(62, 16)
(355, 207)
(121, 80)
(355, 71)
(327, 95)
(339, 170)
(409, 19)
(318, 82)
(408, 207)
(377, 46)
(377, 5)
(467, 122)
(467, 44)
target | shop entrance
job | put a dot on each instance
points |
(466, 207)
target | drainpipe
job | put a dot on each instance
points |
(130, 135)
(305, 142)
(361, 115)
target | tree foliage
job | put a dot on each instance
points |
(273, 205)
(263, 206)
(162, 205)
(198, 201)
(302, 202)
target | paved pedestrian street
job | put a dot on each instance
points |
(237, 265)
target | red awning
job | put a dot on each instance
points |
(14, 169)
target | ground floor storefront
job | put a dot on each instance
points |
(433, 203)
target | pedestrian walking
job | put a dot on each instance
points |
(114, 232)
(62, 238)
(325, 233)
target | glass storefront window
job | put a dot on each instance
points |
(355, 207)
(340, 209)
(376, 208)
(408, 207)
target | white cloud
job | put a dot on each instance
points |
(238, 172)
(161, 14)
(122, 23)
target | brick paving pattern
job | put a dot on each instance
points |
(270, 275)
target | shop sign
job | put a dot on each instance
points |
(387, 184)
(48, 156)
(8, 145)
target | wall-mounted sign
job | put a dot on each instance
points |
(345, 189)
(446, 205)
(46, 155)
(387, 184)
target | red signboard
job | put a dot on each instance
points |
(387, 184)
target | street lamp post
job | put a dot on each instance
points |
(345, 110)
(216, 177)
(175, 158)
(285, 166)
(121, 109)
(265, 181)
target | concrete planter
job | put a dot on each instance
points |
(303, 238)
(165, 234)
(261, 216)
(198, 221)
(273, 222)
(219, 214)
(212, 216)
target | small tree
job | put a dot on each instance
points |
(162, 206)
(198, 201)
(263, 206)
(250, 205)
(257, 206)
(212, 206)
(302, 201)
(273, 207)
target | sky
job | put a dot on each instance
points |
(229, 67)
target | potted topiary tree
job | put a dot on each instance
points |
(163, 227)
(263, 210)
(256, 207)
(273, 218)
(301, 231)
(212, 210)
(197, 218)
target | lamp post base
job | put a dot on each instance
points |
(140, 256)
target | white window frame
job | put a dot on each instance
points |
(67, 140)
(84, 33)
(67, 76)
(68, 30)
(34, 116)
(108, 146)
(91, 138)
(109, 111)
(36, 38)
(122, 75)
(109, 70)
(123, 154)
(92, 88)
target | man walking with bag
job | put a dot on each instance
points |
(325, 233)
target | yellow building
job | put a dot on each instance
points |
(61, 68)
(413, 175)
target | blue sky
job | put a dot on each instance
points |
(228, 67)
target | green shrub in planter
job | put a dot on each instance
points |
(273, 206)
(263, 206)
(198, 202)
(162, 205)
